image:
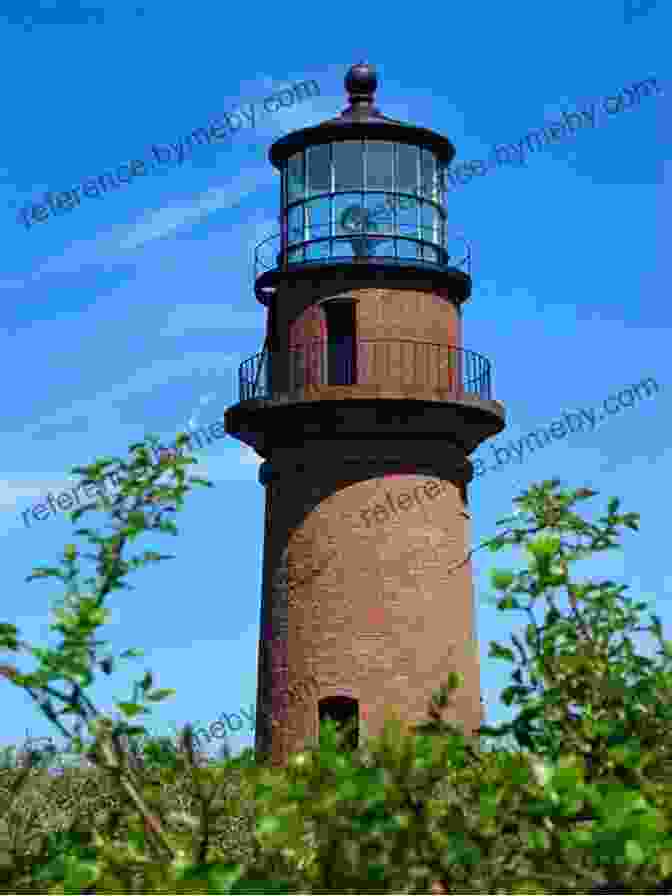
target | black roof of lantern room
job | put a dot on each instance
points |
(365, 120)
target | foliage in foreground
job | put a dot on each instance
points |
(582, 801)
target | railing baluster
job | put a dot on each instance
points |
(466, 371)
(272, 253)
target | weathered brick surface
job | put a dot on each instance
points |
(399, 333)
(389, 311)
(371, 607)
(360, 599)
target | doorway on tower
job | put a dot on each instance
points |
(343, 710)
(341, 342)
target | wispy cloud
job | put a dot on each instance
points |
(142, 381)
(156, 224)
(115, 244)
(16, 493)
(202, 316)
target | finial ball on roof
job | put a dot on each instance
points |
(361, 80)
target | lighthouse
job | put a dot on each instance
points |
(365, 408)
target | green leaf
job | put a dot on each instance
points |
(133, 730)
(634, 853)
(461, 851)
(132, 652)
(665, 863)
(132, 709)
(269, 824)
(9, 636)
(531, 635)
(509, 694)
(45, 571)
(545, 546)
(93, 534)
(500, 652)
(75, 514)
(160, 694)
(501, 578)
(539, 839)
(79, 875)
(508, 603)
(221, 876)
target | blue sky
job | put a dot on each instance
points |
(131, 313)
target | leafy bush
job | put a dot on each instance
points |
(574, 795)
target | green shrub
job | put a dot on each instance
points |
(574, 795)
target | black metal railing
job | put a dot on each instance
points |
(268, 255)
(388, 363)
(253, 376)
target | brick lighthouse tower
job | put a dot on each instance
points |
(365, 408)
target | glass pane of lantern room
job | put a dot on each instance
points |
(408, 218)
(407, 168)
(295, 229)
(379, 166)
(319, 169)
(317, 228)
(429, 176)
(430, 223)
(348, 165)
(296, 183)
(350, 215)
(442, 179)
(380, 214)
(317, 219)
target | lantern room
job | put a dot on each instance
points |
(360, 188)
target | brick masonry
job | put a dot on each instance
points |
(377, 612)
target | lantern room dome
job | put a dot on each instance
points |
(361, 83)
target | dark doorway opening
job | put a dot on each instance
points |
(343, 710)
(341, 343)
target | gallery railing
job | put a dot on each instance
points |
(399, 248)
(388, 363)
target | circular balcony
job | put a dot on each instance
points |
(321, 390)
(400, 249)
(366, 368)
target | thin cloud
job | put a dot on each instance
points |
(158, 223)
(214, 316)
(142, 381)
(113, 245)
(155, 225)
(13, 494)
